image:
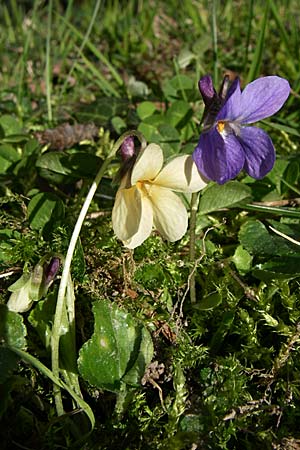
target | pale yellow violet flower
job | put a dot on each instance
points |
(145, 200)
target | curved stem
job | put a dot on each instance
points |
(67, 264)
(193, 217)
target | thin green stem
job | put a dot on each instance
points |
(48, 373)
(249, 28)
(215, 41)
(67, 264)
(193, 217)
(48, 62)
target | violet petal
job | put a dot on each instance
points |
(231, 108)
(217, 158)
(262, 98)
(259, 151)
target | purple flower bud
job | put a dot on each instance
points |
(127, 148)
(51, 270)
(207, 89)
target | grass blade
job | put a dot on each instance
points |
(257, 57)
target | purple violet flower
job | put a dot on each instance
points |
(227, 145)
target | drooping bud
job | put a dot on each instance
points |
(127, 149)
(51, 270)
(207, 89)
(32, 286)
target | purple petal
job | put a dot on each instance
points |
(206, 89)
(218, 158)
(262, 98)
(231, 108)
(259, 151)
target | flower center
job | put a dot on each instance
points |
(225, 127)
(144, 187)
(221, 126)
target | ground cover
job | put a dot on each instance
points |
(179, 338)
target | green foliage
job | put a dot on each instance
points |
(118, 352)
(158, 371)
(12, 332)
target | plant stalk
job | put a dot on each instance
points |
(67, 265)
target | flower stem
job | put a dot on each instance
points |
(215, 40)
(193, 216)
(60, 305)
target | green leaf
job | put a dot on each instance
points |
(70, 165)
(41, 318)
(284, 268)
(145, 109)
(242, 260)
(169, 139)
(179, 114)
(119, 124)
(290, 177)
(172, 88)
(149, 127)
(15, 139)
(223, 196)
(8, 156)
(12, 332)
(209, 302)
(44, 209)
(119, 350)
(256, 239)
(10, 125)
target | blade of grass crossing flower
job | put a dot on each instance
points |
(48, 62)
(257, 57)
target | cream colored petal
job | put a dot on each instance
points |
(170, 217)
(148, 164)
(132, 217)
(19, 301)
(181, 174)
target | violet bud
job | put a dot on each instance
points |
(51, 270)
(127, 148)
(207, 89)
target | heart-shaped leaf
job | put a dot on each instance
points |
(119, 350)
